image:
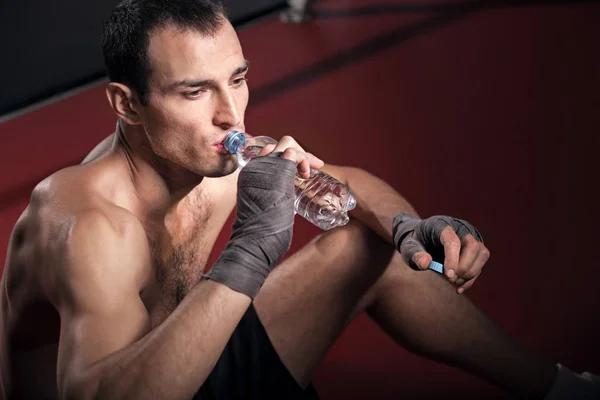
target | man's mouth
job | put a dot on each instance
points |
(219, 144)
(221, 148)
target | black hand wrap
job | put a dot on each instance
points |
(262, 231)
(426, 235)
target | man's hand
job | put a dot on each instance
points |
(452, 241)
(262, 231)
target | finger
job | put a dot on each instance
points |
(422, 260)
(408, 248)
(468, 253)
(451, 244)
(291, 154)
(303, 164)
(460, 281)
(482, 257)
(287, 142)
(300, 159)
(461, 289)
(315, 162)
(304, 167)
(268, 149)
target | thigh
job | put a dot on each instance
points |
(310, 297)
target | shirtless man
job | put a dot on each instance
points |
(103, 294)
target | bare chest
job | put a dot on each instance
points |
(180, 249)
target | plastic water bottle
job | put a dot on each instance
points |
(320, 198)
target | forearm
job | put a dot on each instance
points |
(377, 202)
(173, 360)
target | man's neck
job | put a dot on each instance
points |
(158, 182)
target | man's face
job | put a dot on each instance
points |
(198, 93)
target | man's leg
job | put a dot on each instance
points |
(308, 300)
(422, 312)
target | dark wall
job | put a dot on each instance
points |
(49, 46)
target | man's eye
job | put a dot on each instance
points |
(194, 93)
(239, 81)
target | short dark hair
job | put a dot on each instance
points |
(126, 34)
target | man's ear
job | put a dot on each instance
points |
(124, 103)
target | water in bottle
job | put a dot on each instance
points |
(320, 198)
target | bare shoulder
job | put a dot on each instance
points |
(69, 232)
(106, 252)
(109, 233)
(101, 240)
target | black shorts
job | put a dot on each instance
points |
(249, 368)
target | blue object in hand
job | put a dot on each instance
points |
(436, 266)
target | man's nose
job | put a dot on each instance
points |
(226, 113)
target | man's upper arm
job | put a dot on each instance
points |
(98, 301)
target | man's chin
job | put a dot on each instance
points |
(221, 170)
